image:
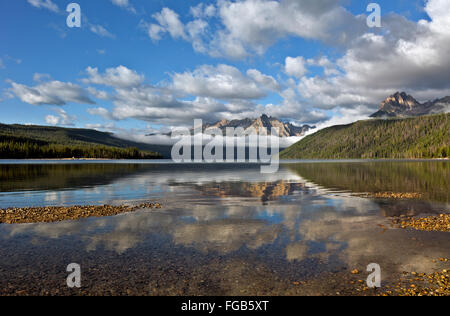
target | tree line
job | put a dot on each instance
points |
(422, 138)
(31, 150)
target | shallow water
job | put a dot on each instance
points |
(223, 229)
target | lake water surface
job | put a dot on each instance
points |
(224, 229)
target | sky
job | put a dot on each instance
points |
(141, 66)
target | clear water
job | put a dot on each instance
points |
(223, 229)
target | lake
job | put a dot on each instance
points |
(223, 229)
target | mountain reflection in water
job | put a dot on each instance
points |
(229, 219)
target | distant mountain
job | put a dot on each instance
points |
(403, 105)
(263, 123)
(416, 137)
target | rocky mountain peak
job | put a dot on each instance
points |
(223, 122)
(263, 124)
(399, 100)
(401, 104)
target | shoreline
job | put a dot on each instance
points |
(52, 214)
(287, 161)
(440, 223)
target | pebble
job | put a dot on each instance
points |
(393, 195)
(432, 223)
(50, 214)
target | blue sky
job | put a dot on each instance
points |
(307, 63)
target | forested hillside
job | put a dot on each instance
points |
(28, 142)
(420, 137)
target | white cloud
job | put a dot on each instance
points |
(52, 120)
(224, 82)
(103, 95)
(164, 104)
(203, 11)
(410, 57)
(295, 67)
(41, 77)
(134, 99)
(63, 119)
(343, 116)
(46, 4)
(169, 22)
(264, 81)
(124, 4)
(119, 77)
(148, 104)
(373, 63)
(100, 112)
(52, 93)
(251, 26)
(100, 31)
(329, 68)
(403, 56)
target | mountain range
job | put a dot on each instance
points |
(260, 124)
(401, 104)
(263, 123)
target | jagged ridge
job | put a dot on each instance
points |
(401, 104)
(261, 124)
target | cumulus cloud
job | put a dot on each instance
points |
(369, 65)
(46, 4)
(168, 22)
(62, 118)
(251, 26)
(328, 67)
(99, 94)
(224, 82)
(153, 106)
(119, 77)
(51, 93)
(377, 65)
(192, 95)
(52, 120)
(203, 10)
(295, 66)
(100, 112)
(403, 55)
(257, 24)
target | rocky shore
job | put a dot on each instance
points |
(422, 284)
(60, 213)
(439, 223)
(391, 195)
